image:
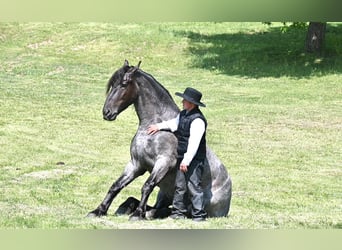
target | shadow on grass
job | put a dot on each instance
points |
(267, 54)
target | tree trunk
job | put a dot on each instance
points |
(315, 36)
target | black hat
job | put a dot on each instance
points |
(192, 95)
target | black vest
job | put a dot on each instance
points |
(183, 133)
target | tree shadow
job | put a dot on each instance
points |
(265, 54)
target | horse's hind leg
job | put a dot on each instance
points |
(161, 209)
(131, 204)
(128, 206)
(158, 213)
(221, 206)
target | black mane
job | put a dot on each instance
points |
(160, 88)
(117, 77)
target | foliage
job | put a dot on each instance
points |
(290, 25)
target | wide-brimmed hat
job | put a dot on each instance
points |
(192, 95)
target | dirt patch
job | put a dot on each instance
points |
(38, 45)
(49, 174)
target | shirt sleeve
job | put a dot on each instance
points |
(170, 124)
(197, 129)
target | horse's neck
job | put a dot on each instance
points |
(153, 106)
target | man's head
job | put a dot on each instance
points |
(188, 105)
(191, 98)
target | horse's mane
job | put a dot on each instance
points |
(118, 75)
(163, 90)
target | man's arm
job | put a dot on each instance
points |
(197, 129)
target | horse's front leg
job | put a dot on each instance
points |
(129, 174)
(159, 171)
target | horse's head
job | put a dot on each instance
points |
(121, 91)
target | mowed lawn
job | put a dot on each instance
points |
(274, 119)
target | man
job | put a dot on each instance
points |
(190, 126)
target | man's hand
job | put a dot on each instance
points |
(183, 167)
(152, 129)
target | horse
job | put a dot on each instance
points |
(156, 154)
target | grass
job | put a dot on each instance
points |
(274, 117)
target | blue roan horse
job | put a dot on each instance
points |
(155, 153)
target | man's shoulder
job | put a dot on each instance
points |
(183, 112)
(199, 120)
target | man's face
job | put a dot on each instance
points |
(187, 105)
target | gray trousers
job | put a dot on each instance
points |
(188, 191)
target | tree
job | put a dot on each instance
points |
(315, 36)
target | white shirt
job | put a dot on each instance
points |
(197, 129)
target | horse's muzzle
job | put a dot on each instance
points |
(109, 116)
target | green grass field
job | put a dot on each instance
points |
(274, 114)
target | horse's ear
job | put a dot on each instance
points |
(138, 66)
(126, 63)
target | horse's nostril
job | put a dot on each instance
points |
(106, 112)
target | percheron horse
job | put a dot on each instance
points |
(155, 153)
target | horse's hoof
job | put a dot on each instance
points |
(95, 213)
(136, 218)
(91, 215)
